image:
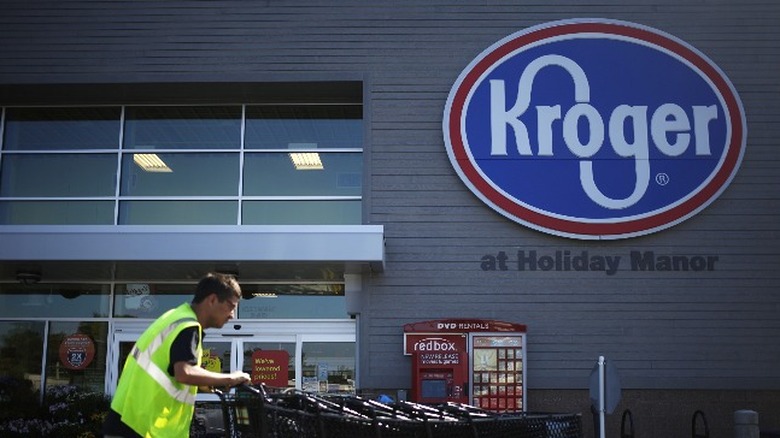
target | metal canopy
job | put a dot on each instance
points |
(185, 252)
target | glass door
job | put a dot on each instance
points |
(316, 356)
(270, 360)
(312, 355)
(328, 366)
(121, 342)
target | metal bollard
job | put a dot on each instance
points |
(694, 425)
(746, 424)
(627, 425)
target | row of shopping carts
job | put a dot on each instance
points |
(254, 411)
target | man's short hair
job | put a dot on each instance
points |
(224, 285)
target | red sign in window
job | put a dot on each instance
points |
(270, 367)
(77, 351)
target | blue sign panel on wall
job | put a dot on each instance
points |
(594, 129)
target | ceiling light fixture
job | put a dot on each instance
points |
(306, 160)
(28, 277)
(265, 295)
(151, 163)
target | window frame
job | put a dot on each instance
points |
(122, 154)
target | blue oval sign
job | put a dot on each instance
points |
(594, 129)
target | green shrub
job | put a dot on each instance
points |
(68, 411)
(17, 399)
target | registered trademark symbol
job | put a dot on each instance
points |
(662, 179)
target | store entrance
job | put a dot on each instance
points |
(312, 356)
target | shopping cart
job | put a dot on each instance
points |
(253, 411)
(262, 412)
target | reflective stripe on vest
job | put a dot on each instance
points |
(144, 360)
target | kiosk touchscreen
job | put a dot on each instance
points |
(433, 388)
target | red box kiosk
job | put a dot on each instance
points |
(477, 362)
(439, 377)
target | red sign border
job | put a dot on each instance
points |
(463, 325)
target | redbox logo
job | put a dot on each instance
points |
(434, 344)
(594, 129)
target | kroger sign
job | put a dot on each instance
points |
(594, 129)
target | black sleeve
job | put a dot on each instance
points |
(184, 348)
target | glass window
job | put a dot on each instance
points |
(77, 354)
(54, 300)
(304, 126)
(270, 301)
(294, 306)
(56, 212)
(304, 212)
(306, 168)
(329, 367)
(183, 127)
(216, 357)
(178, 213)
(201, 174)
(21, 351)
(58, 175)
(149, 300)
(28, 129)
(274, 174)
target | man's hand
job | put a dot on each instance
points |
(238, 377)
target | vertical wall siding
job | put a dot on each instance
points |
(710, 329)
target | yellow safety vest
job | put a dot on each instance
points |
(148, 399)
